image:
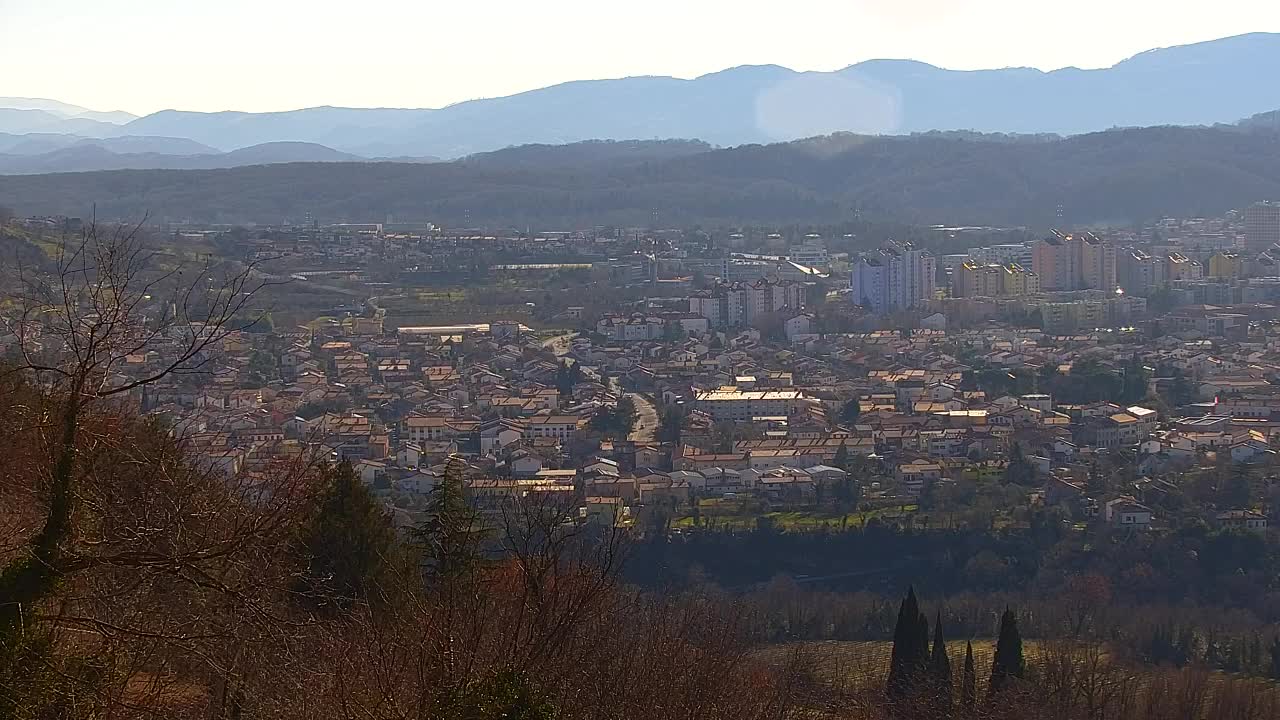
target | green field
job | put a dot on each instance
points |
(732, 514)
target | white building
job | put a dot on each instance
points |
(732, 404)
(893, 278)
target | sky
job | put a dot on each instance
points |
(263, 55)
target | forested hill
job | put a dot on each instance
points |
(1119, 175)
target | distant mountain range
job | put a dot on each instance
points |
(1201, 84)
(1118, 176)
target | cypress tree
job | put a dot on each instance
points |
(347, 545)
(940, 667)
(906, 657)
(1008, 662)
(922, 645)
(969, 688)
(841, 460)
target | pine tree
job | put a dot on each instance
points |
(940, 667)
(348, 543)
(451, 533)
(1008, 662)
(905, 658)
(969, 688)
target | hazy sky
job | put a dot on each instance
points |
(147, 55)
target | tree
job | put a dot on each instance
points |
(969, 688)
(1083, 598)
(627, 415)
(841, 459)
(1008, 662)
(850, 411)
(940, 668)
(505, 696)
(1019, 471)
(104, 301)
(671, 425)
(348, 544)
(1237, 491)
(909, 653)
(451, 534)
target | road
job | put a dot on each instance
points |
(647, 419)
(560, 344)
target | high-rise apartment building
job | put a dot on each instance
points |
(977, 280)
(738, 304)
(1139, 273)
(1018, 253)
(1226, 266)
(1262, 226)
(1182, 267)
(1074, 262)
(894, 277)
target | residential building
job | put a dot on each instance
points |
(894, 277)
(730, 403)
(1243, 520)
(1139, 273)
(1226, 266)
(1262, 226)
(1005, 254)
(739, 304)
(1127, 512)
(1182, 267)
(975, 280)
(1074, 262)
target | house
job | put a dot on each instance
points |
(826, 474)
(409, 456)
(1126, 512)
(371, 471)
(1243, 520)
(524, 464)
(560, 427)
(497, 434)
(915, 475)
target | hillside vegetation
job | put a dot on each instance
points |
(1119, 175)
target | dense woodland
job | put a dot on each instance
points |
(1119, 175)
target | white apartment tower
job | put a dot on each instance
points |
(893, 278)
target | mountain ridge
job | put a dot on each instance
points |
(1196, 84)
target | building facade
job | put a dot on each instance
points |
(1074, 262)
(1262, 226)
(893, 278)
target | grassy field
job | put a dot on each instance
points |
(732, 514)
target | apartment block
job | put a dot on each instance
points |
(1262, 226)
(1074, 262)
(894, 277)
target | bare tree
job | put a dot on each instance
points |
(95, 475)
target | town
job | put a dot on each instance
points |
(674, 381)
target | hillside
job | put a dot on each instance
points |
(1200, 84)
(153, 153)
(1119, 175)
